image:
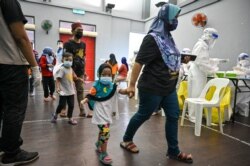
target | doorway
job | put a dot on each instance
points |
(90, 54)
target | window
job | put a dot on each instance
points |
(86, 27)
(31, 32)
(30, 19)
(31, 35)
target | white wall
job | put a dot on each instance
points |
(135, 40)
(153, 9)
(130, 8)
(113, 32)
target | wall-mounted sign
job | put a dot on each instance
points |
(78, 11)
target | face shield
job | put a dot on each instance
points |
(210, 35)
(244, 60)
(214, 37)
(211, 44)
(243, 56)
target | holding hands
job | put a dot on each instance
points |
(84, 101)
(130, 91)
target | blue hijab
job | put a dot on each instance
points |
(48, 52)
(160, 30)
(124, 61)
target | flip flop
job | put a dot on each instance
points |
(183, 157)
(129, 146)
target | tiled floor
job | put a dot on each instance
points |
(64, 145)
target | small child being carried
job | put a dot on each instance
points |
(103, 99)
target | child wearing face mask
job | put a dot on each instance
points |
(47, 62)
(65, 87)
(103, 99)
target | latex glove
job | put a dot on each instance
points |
(237, 68)
(36, 75)
(246, 71)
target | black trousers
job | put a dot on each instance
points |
(62, 104)
(13, 103)
(48, 86)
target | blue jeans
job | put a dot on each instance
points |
(147, 104)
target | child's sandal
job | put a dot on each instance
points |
(72, 122)
(183, 157)
(104, 158)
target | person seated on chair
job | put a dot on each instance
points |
(183, 72)
(243, 68)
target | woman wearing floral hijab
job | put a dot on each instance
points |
(161, 58)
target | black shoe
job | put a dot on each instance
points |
(1, 153)
(82, 114)
(20, 158)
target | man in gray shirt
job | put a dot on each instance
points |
(16, 54)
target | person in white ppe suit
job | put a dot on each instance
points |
(197, 75)
(243, 99)
(243, 64)
(184, 65)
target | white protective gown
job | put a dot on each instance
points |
(197, 76)
(243, 99)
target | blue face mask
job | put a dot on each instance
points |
(106, 80)
(173, 25)
(67, 64)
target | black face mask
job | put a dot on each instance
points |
(173, 26)
(78, 35)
